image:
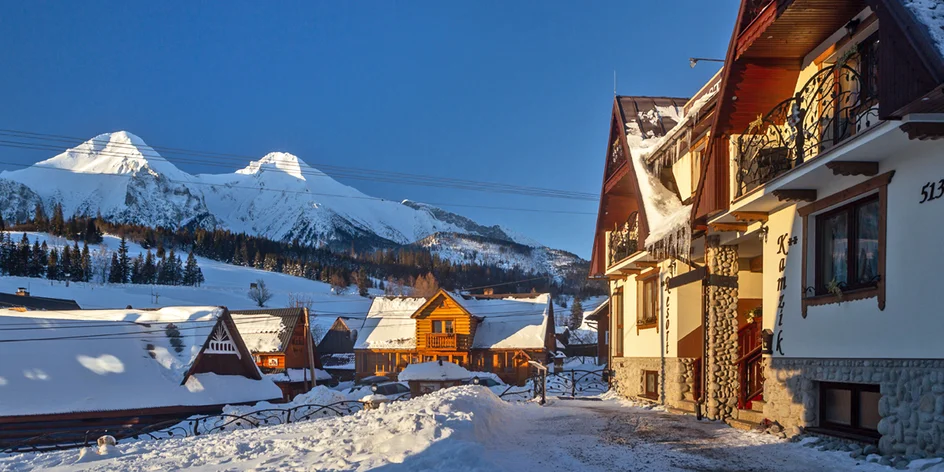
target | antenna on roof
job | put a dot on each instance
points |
(614, 82)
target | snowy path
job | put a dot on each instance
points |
(610, 436)
(465, 429)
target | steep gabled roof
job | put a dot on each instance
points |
(109, 360)
(268, 330)
(389, 324)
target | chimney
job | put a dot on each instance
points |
(21, 291)
(488, 291)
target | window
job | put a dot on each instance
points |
(847, 245)
(273, 362)
(443, 326)
(847, 241)
(648, 313)
(849, 408)
(650, 384)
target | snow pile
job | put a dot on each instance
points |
(931, 14)
(318, 396)
(299, 375)
(445, 430)
(434, 371)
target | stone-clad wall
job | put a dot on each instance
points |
(676, 377)
(912, 403)
(722, 302)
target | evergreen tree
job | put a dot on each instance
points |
(259, 262)
(57, 224)
(115, 275)
(76, 270)
(124, 262)
(37, 261)
(65, 263)
(175, 272)
(149, 270)
(137, 267)
(92, 233)
(576, 314)
(52, 265)
(3, 226)
(193, 276)
(40, 218)
(86, 264)
(160, 250)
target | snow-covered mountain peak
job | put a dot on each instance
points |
(117, 153)
(280, 162)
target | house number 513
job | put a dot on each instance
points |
(929, 193)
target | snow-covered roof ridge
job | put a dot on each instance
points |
(389, 324)
(267, 330)
(107, 360)
(436, 370)
(930, 13)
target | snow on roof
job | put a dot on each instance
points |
(510, 323)
(931, 14)
(389, 324)
(666, 216)
(266, 330)
(434, 371)
(105, 360)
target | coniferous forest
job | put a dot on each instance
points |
(163, 264)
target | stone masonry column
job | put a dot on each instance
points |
(721, 333)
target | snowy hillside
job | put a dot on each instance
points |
(225, 285)
(279, 197)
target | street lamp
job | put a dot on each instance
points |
(692, 61)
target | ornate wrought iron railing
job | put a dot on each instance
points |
(624, 240)
(577, 382)
(832, 106)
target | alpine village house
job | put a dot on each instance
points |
(770, 244)
(282, 347)
(485, 333)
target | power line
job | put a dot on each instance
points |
(213, 158)
(308, 192)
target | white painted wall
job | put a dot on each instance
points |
(912, 323)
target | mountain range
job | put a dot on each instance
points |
(278, 196)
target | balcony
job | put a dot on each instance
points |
(444, 341)
(837, 103)
(624, 241)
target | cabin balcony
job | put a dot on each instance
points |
(623, 241)
(836, 104)
(442, 341)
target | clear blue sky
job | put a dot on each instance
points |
(510, 92)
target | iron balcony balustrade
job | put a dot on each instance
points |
(624, 240)
(835, 104)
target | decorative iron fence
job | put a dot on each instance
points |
(832, 106)
(624, 240)
(180, 428)
(577, 383)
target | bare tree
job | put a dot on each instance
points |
(300, 300)
(425, 286)
(260, 293)
(338, 284)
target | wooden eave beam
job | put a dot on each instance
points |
(630, 271)
(797, 195)
(750, 216)
(646, 263)
(848, 168)
(923, 131)
(721, 227)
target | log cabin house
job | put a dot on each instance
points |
(67, 374)
(282, 347)
(490, 333)
(337, 347)
(804, 296)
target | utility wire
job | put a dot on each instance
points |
(307, 192)
(212, 159)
